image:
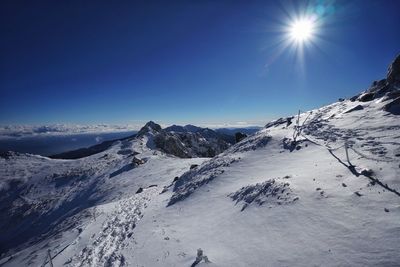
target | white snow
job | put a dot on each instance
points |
(320, 209)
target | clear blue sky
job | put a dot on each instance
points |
(183, 61)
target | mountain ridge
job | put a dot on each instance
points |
(154, 128)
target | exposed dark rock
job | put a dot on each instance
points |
(367, 172)
(366, 97)
(291, 145)
(105, 156)
(358, 107)
(171, 144)
(136, 161)
(279, 121)
(393, 94)
(186, 141)
(354, 98)
(388, 88)
(393, 106)
(140, 190)
(165, 189)
(288, 144)
(379, 83)
(193, 166)
(239, 137)
(393, 75)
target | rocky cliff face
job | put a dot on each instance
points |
(388, 89)
(393, 76)
(184, 141)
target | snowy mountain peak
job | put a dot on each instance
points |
(150, 127)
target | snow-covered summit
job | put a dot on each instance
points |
(150, 127)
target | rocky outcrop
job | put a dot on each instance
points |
(184, 141)
(393, 106)
(171, 144)
(387, 89)
(150, 127)
(239, 136)
(281, 121)
(393, 76)
(358, 107)
(136, 161)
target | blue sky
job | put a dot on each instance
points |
(199, 62)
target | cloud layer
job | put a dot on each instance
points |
(20, 131)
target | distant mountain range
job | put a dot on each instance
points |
(182, 141)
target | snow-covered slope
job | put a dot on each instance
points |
(44, 199)
(285, 196)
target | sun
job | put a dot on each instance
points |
(302, 30)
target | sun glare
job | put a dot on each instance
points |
(302, 30)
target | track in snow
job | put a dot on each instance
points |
(119, 226)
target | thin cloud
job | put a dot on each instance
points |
(21, 131)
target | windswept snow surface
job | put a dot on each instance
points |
(259, 203)
(55, 204)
